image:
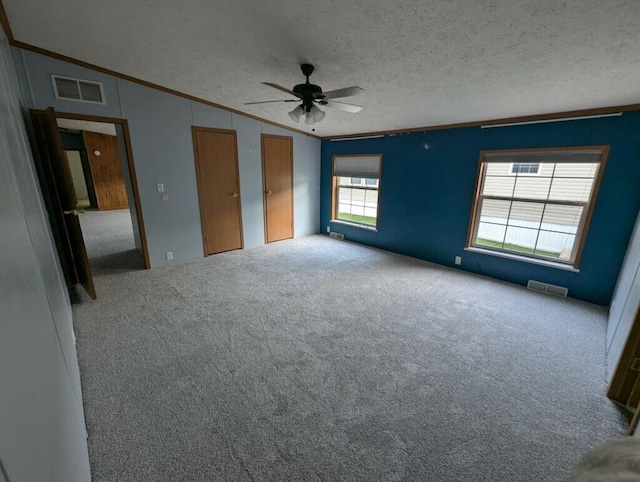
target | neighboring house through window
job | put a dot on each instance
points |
(524, 168)
(356, 184)
(536, 203)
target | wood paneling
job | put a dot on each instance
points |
(277, 171)
(218, 189)
(132, 170)
(106, 170)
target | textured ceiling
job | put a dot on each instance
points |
(422, 62)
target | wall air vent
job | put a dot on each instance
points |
(335, 235)
(67, 88)
(547, 288)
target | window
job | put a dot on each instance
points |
(356, 184)
(524, 168)
(543, 216)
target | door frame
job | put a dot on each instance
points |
(132, 170)
(264, 186)
(203, 221)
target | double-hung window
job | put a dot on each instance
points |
(536, 203)
(356, 187)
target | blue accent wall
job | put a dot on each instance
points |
(426, 197)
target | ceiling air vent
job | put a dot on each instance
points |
(79, 90)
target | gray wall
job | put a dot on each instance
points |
(42, 434)
(160, 128)
(124, 160)
(625, 303)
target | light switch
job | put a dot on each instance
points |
(160, 187)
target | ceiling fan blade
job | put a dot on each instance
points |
(343, 106)
(268, 101)
(346, 92)
(279, 87)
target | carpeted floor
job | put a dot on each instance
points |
(316, 359)
(108, 238)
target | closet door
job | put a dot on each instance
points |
(277, 172)
(218, 189)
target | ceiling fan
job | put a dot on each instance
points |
(310, 94)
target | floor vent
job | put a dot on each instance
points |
(79, 90)
(547, 288)
(335, 235)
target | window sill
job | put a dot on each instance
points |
(541, 262)
(355, 225)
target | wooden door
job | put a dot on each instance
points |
(218, 189)
(106, 170)
(58, 177)
(277, 172)
(625, 383)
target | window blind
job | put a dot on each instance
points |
(357, 166)
(582, 156)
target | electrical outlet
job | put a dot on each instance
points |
(169, 255)
(160, 187)
(458, 260)
(328, 229)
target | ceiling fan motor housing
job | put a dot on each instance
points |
(308, 93)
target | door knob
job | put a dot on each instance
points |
(235, 194)
(268, 193)
(75, 212)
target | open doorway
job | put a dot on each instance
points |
(99, 160)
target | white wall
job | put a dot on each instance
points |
(160, 128)
(625, 302)
(42, 434)
(77, 175)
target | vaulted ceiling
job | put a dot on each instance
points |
(420, 62)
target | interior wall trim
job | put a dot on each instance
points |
(4, 20)
(132, 171)
(598, 112)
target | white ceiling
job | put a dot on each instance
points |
(81, 125)
(421, 62)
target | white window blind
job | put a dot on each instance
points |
(367, 167)
(533, 157)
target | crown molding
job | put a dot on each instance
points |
(4, 20)
(602, 111)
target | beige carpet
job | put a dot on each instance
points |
(108, 238)
(316, 359)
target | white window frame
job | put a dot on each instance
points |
(582, 229)
(362, 186)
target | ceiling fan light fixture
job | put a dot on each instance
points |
(296, 113)
(314, 116)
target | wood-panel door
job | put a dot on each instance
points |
(106, 170)
(277, 172)
(218, 189)
(58, 179)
